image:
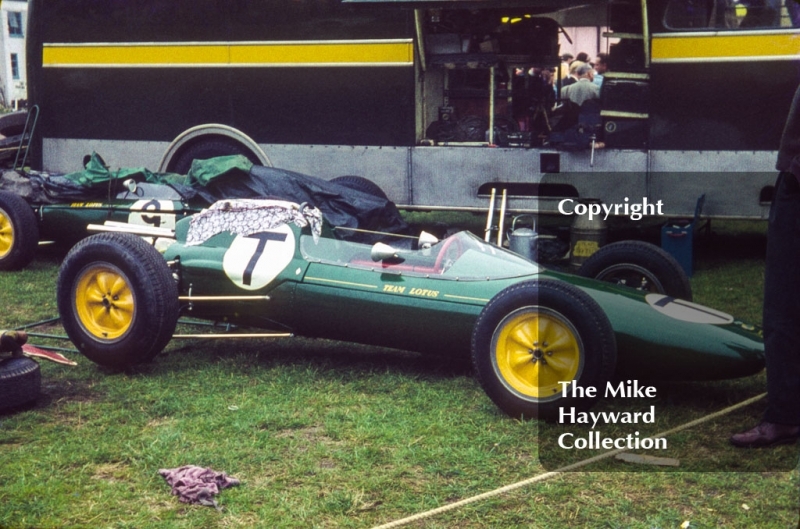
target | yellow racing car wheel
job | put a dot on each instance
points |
(104, 303)
(533, 338)
(19, 232)
(118, 299)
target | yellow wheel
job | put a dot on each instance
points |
(6, 234)
(104, 302)
(117, 299)
(19, 232)
(534, 349)
(536, 337)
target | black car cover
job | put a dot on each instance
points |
(226, 177)
(342, 206)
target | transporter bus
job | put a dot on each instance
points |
(437, 102)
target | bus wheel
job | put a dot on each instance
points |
(117, 299)
(534, 335)
(640, 265)
(206, 148)
(359, 183)
(19, 232)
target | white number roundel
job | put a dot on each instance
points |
(254, 261)
(687, 311)
(155, 213)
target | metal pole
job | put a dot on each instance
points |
(488, 233)
(502, 219)
(491, 105)
(233, 335)
(36, 324)
(223, 298)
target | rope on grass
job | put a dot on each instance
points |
(562, 470)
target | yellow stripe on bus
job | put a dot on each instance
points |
(334, 53)
(725, 47)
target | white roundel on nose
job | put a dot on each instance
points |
(683, 310)
(254, 261)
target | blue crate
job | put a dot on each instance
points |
(677, 238)
(678, 241)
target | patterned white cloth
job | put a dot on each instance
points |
(246, 217)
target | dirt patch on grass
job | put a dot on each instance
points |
(111, 472)
(57, 391)
(327, 464)
(312, 434)
(159, 422)
(239, 520)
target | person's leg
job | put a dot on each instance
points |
(782, 304)
(781, 423)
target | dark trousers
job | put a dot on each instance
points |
(782, 303)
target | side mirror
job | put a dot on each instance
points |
(426, 240)
(130, 184)
(381, 251)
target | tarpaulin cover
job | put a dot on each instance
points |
(341, 206)
(95, 181)
(224, 177)
(203, 172)
(96, 173)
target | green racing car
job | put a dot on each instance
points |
(279, 265)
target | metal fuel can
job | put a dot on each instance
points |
(587, 235)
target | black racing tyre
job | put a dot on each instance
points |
(502, 127)
(639, 265)
(441, 131)
(533, 335)
(20, 382)
(206, 148)
(19, 232)
(13, 124)
(359, 183)
(117, 299)
(472, 128)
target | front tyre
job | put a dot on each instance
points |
(640, 265)
(534, 335)
(117, 299)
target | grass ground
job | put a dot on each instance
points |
(327, 434)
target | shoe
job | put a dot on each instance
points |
(766, 434)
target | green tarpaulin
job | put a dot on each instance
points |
(202, 172)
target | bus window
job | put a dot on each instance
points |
(489, 69)
(687, 14)
(310, 20)
(731, 14)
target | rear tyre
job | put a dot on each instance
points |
(13, 124)
(209, 148)
(639, 265)
(534, 335)
(19, 232)
(117, 299)
(20, 382)
(359, 183)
